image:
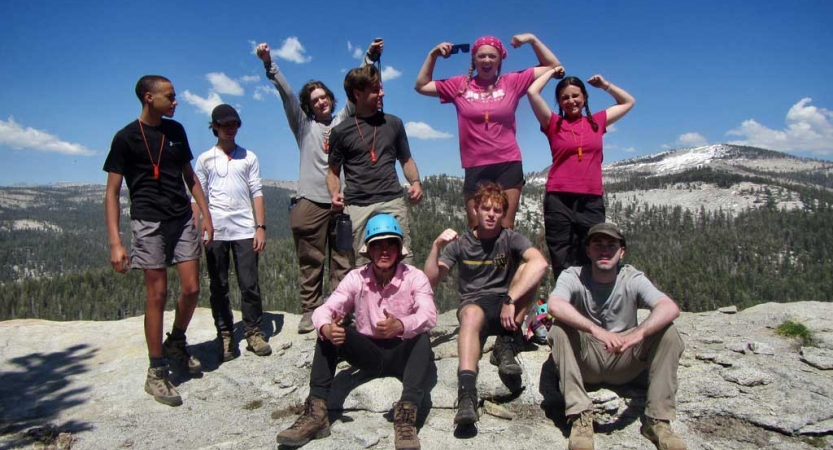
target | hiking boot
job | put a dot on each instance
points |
(404, 426)
(257, 344)
(305, 325)
(160, 388)
(466, 408)
(503, 356)
(176, 351)
(659, 432)
(229, 349)
(581, 434)
(313, 424)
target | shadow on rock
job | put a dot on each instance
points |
(35, 389)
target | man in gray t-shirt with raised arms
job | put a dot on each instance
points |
(596, 339)
(499, 271)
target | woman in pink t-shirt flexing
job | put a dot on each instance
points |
(486, 102)
(574, 201)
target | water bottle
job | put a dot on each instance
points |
(344, 233)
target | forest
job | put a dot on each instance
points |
(703, 259)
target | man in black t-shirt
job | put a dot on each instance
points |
(152, 155)
(367, 145)
(499, 271)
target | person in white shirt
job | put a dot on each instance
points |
(230, 177)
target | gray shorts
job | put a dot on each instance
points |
(157, 245)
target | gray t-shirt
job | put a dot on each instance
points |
(486, 266)
(612, 307)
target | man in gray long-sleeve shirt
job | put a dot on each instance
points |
(312, 218)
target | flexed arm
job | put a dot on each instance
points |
(435, 270)
(424, 83)
(624, 101)
(539, 105)
(546, 58)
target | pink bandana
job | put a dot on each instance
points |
(489, 40)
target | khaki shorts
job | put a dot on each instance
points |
(157, 245)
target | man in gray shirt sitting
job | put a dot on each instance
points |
(595, 338)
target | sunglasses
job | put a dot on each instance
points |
(459, 48)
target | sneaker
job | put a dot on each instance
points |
(305, 325)
(581, 434)
(660, 433)
(313, 424)
(176, 351)
(229, 349)
(160, 388)
(257, 344)
(466, 408)
(404, 426)
(503, 356)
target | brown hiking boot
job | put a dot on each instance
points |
(229, 349)
(660, 433)
(257, 344)
(503, 356)
(176, 352)
(581, 435)
(313, 424)
(466, 408)
(305, 325)
(404, 426)
(160, 388)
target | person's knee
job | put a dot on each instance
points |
(670, 338)
(557, 333)
(471, 317)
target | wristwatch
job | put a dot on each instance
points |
(260, 226)
(507, 300)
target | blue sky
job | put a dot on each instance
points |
(702, 72)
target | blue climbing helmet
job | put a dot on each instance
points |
(382, 226)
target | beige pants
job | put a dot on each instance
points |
(359, 215)
(580, 358)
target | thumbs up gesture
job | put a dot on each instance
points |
(333, 331)
(391, 327)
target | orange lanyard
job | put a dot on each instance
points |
(373, 147)
(159, 159)
(581, 135)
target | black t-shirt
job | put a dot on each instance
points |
(369, 182)
(152, 200)
(486, 267)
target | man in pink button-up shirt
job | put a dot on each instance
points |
(393, 306)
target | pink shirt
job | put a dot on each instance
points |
(408, 297)
(571, 172)
(482, 142)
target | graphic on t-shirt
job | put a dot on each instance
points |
(484, 97)
(500, 262)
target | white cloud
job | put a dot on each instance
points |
(688, 140)
(389, 73)
(808, 129)
(249, 78)
(15, 136)
(222, 84)
(611, 129)
(262, 91)
(206, 105)
(292, 50)
(421, 130)
(630, 150)
(355, 50)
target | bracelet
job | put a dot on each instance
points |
(607, 89)
(415, 182)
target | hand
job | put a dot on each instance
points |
(445, 237)
(333, 332)
(259, 242)
(612, 341)
(631, 339)
(119, 258)
(415, 193)
(443, 50)
(263, 52)
(521, 39)
(337, 202)
(598, 81)
(558, 73)
(375, 49)
(507, 317)
(207, 230)
(391, 327)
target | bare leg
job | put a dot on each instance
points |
(156, 285)
(189, 284)
(471, 215)
(472, 320)
(522, 304)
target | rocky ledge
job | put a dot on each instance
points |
(79, 385)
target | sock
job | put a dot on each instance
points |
(177, 334)
(467, 380)
(157, 362)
